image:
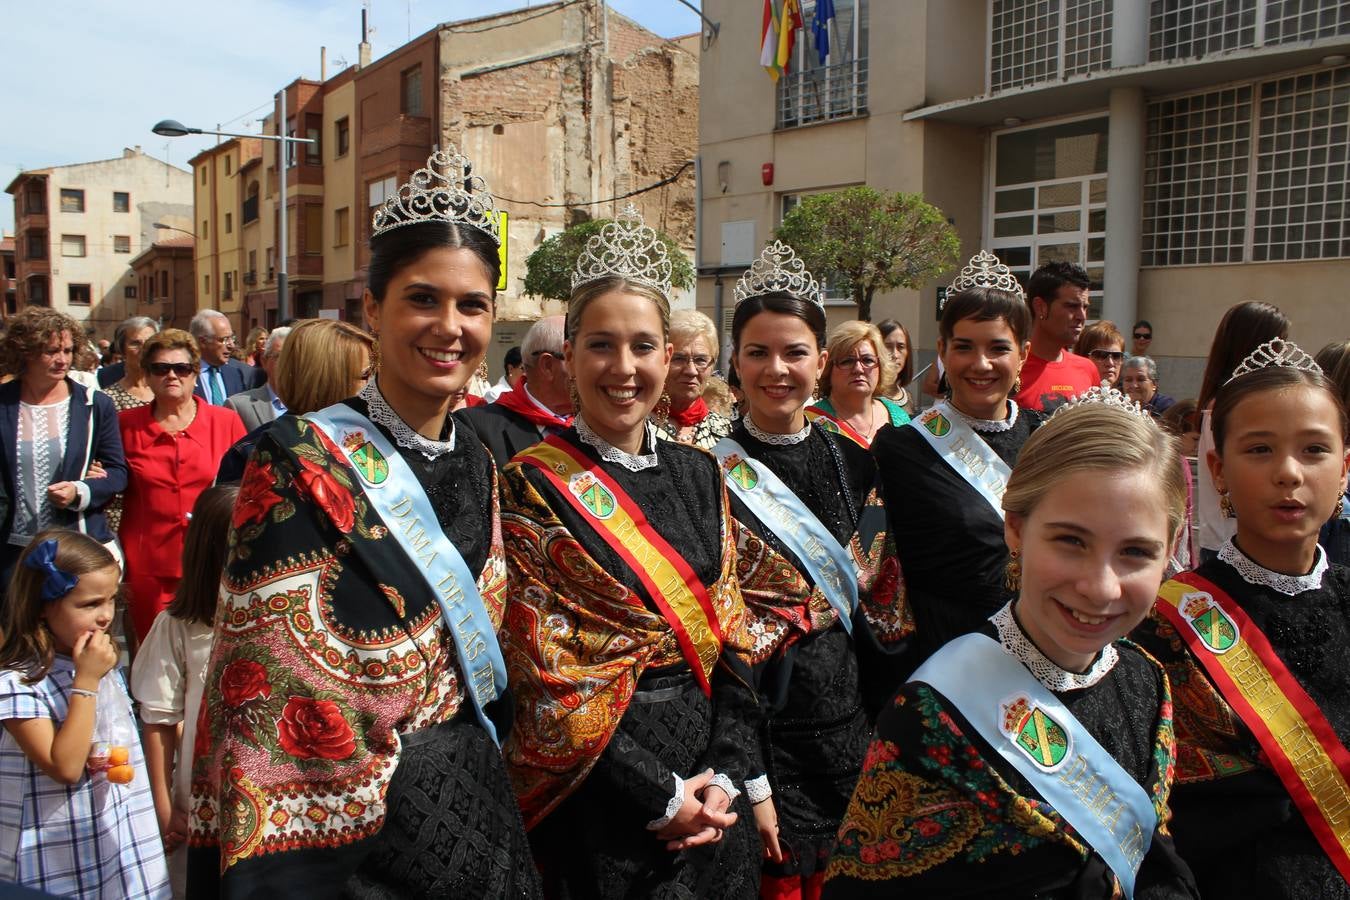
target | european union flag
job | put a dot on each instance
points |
(820, 28)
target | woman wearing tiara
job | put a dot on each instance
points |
(809, 528)
(635, 717)
(1033, 757)
(1254, 643)
(951, 464)
(349, 738)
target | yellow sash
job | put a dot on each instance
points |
(1310, 760)
(672, 584)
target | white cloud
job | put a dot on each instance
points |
(99, 73)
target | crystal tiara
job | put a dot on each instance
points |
(625, 248)
(985, 271)
(1105, 395)
(1276, 353)
(778, 271)
(445, 190)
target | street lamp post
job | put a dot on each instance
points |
(173, 128)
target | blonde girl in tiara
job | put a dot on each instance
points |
(1255, 642)
(76, 816)
(1033, 757)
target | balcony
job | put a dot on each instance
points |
(250, 210)
(250, 278)
(824, 93)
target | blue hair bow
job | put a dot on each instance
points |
(57, 584)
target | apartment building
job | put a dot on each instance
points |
(77, 228)
(1188, 154)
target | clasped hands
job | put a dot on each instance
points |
(701, 818)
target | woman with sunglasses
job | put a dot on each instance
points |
(853, 392)
(173, 448)
(683, 415)
(1103, 343)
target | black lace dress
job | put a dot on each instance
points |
(595, 842)
(414, 794)
(1234, 822)
(939, 813)
(947, 536)
(816, 729)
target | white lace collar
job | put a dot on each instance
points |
(1017, 644)
(776, 440)
(405, 435)
(1253, 572)
(989, 426)
(609, 453)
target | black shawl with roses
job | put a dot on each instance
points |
(327, 645)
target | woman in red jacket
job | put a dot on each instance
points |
(173, 448)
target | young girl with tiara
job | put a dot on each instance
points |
(168, 676)
(1255, 640)
(64, 828)
(1033, 757)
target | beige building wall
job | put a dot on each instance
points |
(158, 192)
(340, 189)
(219, 229)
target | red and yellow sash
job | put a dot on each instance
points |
(670, 581)
(831, 422)
(1311, 762)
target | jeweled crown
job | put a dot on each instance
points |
(985, 271)
(445, 190)
(1278, 353)
(625, 248)
(778, 271)
(1106, 396)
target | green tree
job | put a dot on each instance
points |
(548, 270)
(864, 241)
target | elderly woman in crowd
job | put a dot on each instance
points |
(131, 390)
(60, 457)
(323, 361)
(895, 338)
(1103, 343)
(853, 401)
(173, 448)
(687, 417)
(1139, 380)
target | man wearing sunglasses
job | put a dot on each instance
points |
(1142, 337)
(538, 405)
(222, 376)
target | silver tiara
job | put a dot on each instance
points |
(1106, 395)
(985, 271)
(778, 271)
(625, 248)
(446, 190)
(1279, 352)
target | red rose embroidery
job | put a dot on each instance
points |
(256, 496)
(315, 728)
(335, 500)
(201, 741)
(244, 680)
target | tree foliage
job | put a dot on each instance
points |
(864, 241)
(548, 270)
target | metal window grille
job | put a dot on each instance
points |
(1042, 40)
(1303, 20)
(812, 92)
(1179, 29)
(1196, 167)
(1301, 208)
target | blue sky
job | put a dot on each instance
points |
(91, 77)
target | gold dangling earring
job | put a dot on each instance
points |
(1226, 506)
(1012, 574)
(661, 412)
(375, 351)
(575, 396)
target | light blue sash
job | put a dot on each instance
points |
(962, 449)
(828, 563)
(1033, 731)
(398, 498)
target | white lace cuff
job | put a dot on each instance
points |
(757, 790)
(672, 808)
(726, 784)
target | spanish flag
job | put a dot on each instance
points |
(768, 41)
(788, 24)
